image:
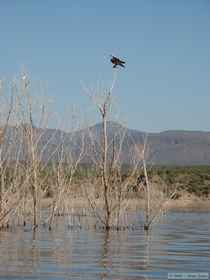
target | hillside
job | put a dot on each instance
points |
(179, 148)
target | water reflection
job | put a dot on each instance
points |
(179, 243)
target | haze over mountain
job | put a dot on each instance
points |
(165, 148)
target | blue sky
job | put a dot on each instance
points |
(166, 44)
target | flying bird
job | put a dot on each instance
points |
(116, 61)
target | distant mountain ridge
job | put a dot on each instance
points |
(167, 148)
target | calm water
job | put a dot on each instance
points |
(180, 243)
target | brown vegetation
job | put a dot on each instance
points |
(107, 191)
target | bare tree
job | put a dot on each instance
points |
(107, 158)
(155, 200)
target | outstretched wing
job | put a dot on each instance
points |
(122, 65)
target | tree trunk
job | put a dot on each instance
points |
(104, 172)
(147, 206)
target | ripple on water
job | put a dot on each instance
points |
(179, 243)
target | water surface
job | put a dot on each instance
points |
(179, 243)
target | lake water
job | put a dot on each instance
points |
(179, 243)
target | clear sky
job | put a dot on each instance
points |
(166, 44)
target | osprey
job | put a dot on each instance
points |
(116, 61)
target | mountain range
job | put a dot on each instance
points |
(180, 148)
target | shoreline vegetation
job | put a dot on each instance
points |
(36, 172)
(193, 192)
